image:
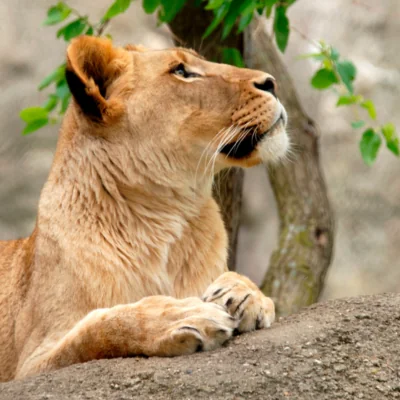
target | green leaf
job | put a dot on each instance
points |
(236, 8)
(35, 118)
(357, 124)
(370, 107)
(55, 76)
(75, 28)
(327, 63)
(248, 7)
(65, 102)
(315, 56)
(349, 99)
(57, 14)
(213, 4)
(334, 54)
(281, 28)
(31, 114)
(347, 72)
(35, 125)
(60, 32)
(232, 56)
(269, 5)
(170, 9)
(244, 22)
(389, 131)
(369, 146)
(392, 141)
(150, 6)
(118, 7)
(62, 89)
(51, 103)
(393, 146)
(90, 31)
(219, 15)
(323, 78)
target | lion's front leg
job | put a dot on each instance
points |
(154, 326)
(243, 300)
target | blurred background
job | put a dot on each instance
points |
(366, 200)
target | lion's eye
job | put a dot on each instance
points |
(181, 71)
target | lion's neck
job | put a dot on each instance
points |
(119, 219)
(99, 188)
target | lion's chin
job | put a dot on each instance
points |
(269, 147)
(266, 147)
(274, 147)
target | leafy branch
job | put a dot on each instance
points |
(57, 101)
(340, 74)
(229, 15)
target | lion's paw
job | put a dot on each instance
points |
(195, 326)
(243, 300)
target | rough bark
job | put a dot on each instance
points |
(298, 267)
(342, 349)
(188, 27)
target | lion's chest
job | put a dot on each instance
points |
(181, 268)
(199, 256)
(182, 258)
(165, 255)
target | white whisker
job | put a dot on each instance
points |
(243, 136)
(230, 134)
(205, 151)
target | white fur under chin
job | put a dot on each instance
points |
(274, 148)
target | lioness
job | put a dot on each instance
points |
(127, 228)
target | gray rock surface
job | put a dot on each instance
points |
(341, 349)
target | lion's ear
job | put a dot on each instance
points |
(93, 65)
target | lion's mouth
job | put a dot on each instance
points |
(244, 147)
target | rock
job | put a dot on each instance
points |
(252, 366)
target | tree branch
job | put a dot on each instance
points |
(298, 267)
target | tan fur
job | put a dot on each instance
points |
(127, 213)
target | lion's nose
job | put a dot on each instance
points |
(267, 85)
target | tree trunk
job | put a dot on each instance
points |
(298, 267)
(188, 27)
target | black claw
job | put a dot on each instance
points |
(217, 291)
(258, 321)
(229, 302)
(190, 328)
(244, 299)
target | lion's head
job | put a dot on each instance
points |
(173, 108)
